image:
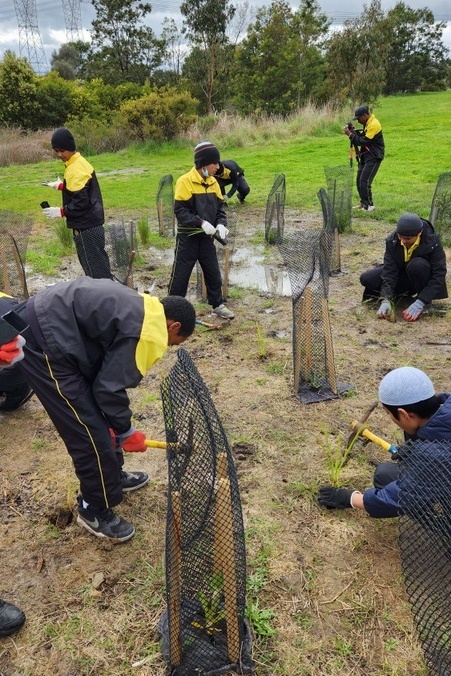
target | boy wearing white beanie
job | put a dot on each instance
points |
(408, 396)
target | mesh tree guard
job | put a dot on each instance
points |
(203, 629)
(425, 545)
(339, 188)
(275, 208)
(120, 247)
(165, 206)
(440, 215)
(330, 226)
(224, 254)
(14, 233)
(306, 255)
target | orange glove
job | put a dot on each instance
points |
(12, 352)
(134, 442)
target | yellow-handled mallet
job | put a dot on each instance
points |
(365, 432)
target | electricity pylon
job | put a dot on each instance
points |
(30, 42)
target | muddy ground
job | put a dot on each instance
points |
(331, 580)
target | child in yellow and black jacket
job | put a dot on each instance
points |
(82, 206)
(200, 213)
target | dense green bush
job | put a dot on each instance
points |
(161, 115)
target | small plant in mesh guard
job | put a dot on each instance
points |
(204, 629)
(306, 256)
(165, 206)
(440, 214)
(120, 246)
(330, 226)
(14, 232)
(339, 189)
(275, 210)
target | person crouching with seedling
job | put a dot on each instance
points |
(414, 265)
(408, 396)
(201, 216)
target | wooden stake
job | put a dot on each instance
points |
(225, 557)
(337, 249)
(20, 268)
(6, 284)
(308, 328)
(175, 580)
(329, 348)
(161, 217)
(225, 280)
(297, 347)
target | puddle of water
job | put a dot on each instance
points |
(250, 271)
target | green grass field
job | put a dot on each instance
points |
(417, 130)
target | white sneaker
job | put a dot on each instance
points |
(223, 312)
(370, 208)
(358, 206)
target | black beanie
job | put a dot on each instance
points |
(205, 153)
(62, 139)
(409, 225)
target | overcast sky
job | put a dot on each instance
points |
(52, 31)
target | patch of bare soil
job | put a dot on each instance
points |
(331, 579)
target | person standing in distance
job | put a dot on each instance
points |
(371, 153)
(82, 206)
(199, 209)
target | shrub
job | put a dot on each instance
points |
(161, 115)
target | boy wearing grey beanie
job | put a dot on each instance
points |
(408, 396)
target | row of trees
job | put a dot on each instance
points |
(224, 57)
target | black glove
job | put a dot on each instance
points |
(335, 498)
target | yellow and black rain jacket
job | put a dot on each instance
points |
(82, 199)
(197, 199)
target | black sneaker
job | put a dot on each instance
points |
(16, 399)
(11, 618)
(104, 523)
(131, 481)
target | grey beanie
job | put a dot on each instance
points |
(409, 225)
(205, 153)
(405, 385)
(62, 139)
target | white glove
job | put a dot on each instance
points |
(54, 184)
(225, 198)
(222, 230)
(207, 227)
(384, 309)
(52, 212)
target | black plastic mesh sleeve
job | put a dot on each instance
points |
(425, 545)
(14, 233)
(204, 630)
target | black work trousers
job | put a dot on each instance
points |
(368, 168)
(188, 250)
(413, 277)
(66, 396)
(90, 246)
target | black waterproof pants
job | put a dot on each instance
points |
(188, 250)
(368, 168)
(412, 279)
(66, 396)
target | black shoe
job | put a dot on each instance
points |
(11, 618)
(16, 399)
(131, 481)
(104, 523)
